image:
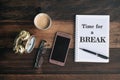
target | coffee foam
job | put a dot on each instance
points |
(42, 21)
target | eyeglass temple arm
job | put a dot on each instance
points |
(39, 54)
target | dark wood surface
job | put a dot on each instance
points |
(17, 15)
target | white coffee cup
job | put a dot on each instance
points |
(42, 21)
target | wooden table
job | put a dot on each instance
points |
(17, 15)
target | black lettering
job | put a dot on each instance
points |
(93, 39)
(82, 39)
(83, 25)
(103, 39)
(88, 39)
(98, 39)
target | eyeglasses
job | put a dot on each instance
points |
(39, 55)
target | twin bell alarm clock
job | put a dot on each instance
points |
(24, 42)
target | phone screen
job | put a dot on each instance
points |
(60, 48)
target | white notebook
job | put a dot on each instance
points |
(92, 38)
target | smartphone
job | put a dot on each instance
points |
(60, 48)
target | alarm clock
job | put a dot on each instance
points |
(30, 44)
(24, 42)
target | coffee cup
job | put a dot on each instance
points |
(42, 21)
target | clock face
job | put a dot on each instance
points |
(30, 44)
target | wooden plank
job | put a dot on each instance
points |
(14, 63)
(60, 76)
(8, 35)
(58, 10)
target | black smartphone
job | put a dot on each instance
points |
(60, 48)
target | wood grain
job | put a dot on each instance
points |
(18, 15)
(23, 64)
(57, 9)
(67, 26)
(61, 76)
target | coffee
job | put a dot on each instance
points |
(42, 21)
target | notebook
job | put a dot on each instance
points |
(92, 38)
